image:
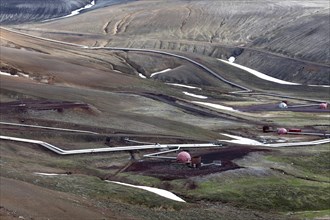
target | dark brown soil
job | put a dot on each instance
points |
(169, 170)
(228, 154)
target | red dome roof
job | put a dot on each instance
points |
(183, 157)
(282, 131)
(323, 105)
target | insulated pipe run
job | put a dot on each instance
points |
(49, 128)
(106, 149)
(137, 142)
(156, 155)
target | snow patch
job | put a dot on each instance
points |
(264, 76)
(161, 192)
(142, 76)
(75, 12)
(159, 72)
(7, 74)
(231, 59)
(242, 140)
(194, 95)
(325, 86)
(24, 75)
(217, 106)
(185, 86)
(259, 74)
(50, 174)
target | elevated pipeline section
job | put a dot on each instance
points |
(60, 151)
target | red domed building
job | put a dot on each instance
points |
(183, 157)
(323, 105)
(281, 131)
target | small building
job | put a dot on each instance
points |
(267, 128)
(196, 161)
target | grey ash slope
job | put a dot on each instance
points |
(285, 39)
(25, 11)
(20, 11)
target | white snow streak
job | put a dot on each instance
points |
(50, 174)
(156, 73)
(73, 13)
(161, 192)
(194, 95)
(259, 74)
(185, 86)
(242, 140)
(264, 76)
(325, 86)
(217, 106)
(24, 75)
(7, 74)
(142, 76)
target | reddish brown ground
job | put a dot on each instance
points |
(169, 170)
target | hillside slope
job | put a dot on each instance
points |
(284, 39)
(20, 11)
